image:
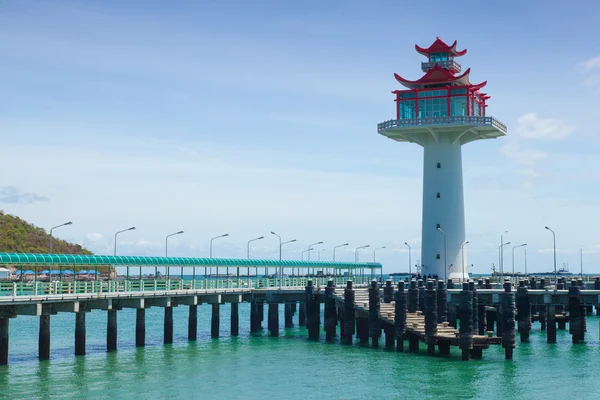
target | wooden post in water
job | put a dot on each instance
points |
(80, 333)
(273, 319)
(400, 316)
(374, 307)
(473, 289)
(488, 283)
(235, 319)
(4, 324)
(465, 315)
(111, 330)
(140, 327)
(313, 312)
(508, 321)
(44, 337)
(168, 325)
(193, 322)
(254, 318)
(288, 315)
(302, 314)
(431, 319)
(421, 287)
(524, 311)
(261, 315)
(215, 320)
(490, 318)
(330, 312)
(349, 316)
(388, 292)
(575, 314)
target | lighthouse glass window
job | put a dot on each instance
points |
(432, 108)
(458, 106)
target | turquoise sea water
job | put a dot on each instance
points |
(287, 367)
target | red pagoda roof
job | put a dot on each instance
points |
(440, 47)
(438, 75)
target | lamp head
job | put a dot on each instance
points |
(180, 232)
(227, 234)
(131, 229)
(321, 242)
(547, 227)
(467, 242)
(262, 237)
(293, 240)
(273, 233)
(69, 223)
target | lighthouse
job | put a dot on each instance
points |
(441, 112)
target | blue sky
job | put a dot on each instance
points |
(242, 118)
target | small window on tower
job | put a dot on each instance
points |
(437, 257)
(437, 226)
(438, 195)
(439, 165)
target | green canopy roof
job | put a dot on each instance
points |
(75, 259)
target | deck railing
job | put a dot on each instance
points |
(460, 120)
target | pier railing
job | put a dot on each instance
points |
(453, 120)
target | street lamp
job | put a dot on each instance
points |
(124, 230)
(304, 251)
(356, 253)
(54, 227)
(555, 273)
(167, 252)
(501, 256)
(280, 245)
(310, 248)
(379, 248)
(115, 253)
(248, 256)
(581, 259)
(335, 247)
(513, 259)
(211, 242)
(319, 254)
(409, 260)
(500, 251)
(445, 256)
(462, 251)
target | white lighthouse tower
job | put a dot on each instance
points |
(441, 112)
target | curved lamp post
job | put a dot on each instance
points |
(501, 257)
(513, 261)
(356, 253)
(555, 273)
(60, 268)
(335, 247)
(248, 255)
(462, 252)
(310, 247)
(115, 252)
(167, 253)
(280, 246)
(409, 259)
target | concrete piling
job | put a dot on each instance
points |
(465, 315)
(488, 283)
(508, 321)
(4, 324)
(168, 325)
(473, 289)
(273, 319)
(80, 333)
(400, 316)
(413, 297)
(234, 319)
(442, 302)
(575, 313)
(551, 324)
(313, 312)
(193, 322)
(261, 315)
(349, 315)
(215, 320)
(330, 312)
(288, 315)
(254, 317)
(481, 318)
(524, 312)
(388, 292)
(374, 307)
(390, 335)
(421, 287)
(44, 338)
(431, 319)
(362, 330)
(302, 314)
(140, 327)
(490, 318)
(111, 330)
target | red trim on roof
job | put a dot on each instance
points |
(436, 75)
(439, 46)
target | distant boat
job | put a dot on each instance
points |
(560, 271)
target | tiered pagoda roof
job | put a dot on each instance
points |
(439, 46)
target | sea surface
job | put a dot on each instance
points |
(287, 367)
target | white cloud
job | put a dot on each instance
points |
(532, 126)
(591, 69)
(591, 64)
(94, 237)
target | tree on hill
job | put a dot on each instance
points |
(19, 236)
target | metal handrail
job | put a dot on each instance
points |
(461, 120)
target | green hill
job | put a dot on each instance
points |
(19, 236)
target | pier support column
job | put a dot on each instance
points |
(362, 330)
(542, 318)
(388, 292)
(349, 315)
(430, 311)
(235, 319)
(490, 319)
(400, 316)
(4, 324)
(551, 324)
(168, 325)
(287, 315)
(44, 338)
(575, 314)
(140, 327)
(465, 315)
(481, 318)
(302, 314)
(421, 288)
(508, 321)
(330, 312)
(442, 303)
(473, 289)
(413, 297)
(80, 333)
(313, 312)
(452, 315)
(254, 317)
(193, 322)
(273, 321)
(413, 342)
(215, 320)
(111, 330)
(374, 307)
(390, 336)
(261, 315)
(524, 312)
